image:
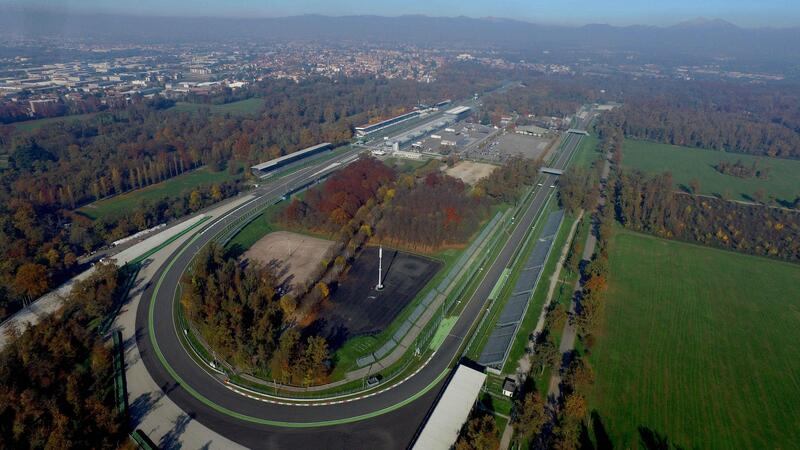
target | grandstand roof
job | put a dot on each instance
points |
(452, 410)
(297, 154)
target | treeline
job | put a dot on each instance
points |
(56, 378)
(46, 243)
(424, 211)
(331, 206)
(431, 212)
(649, 204)
(717, 116)
(237, 309)
(740, 170)
(505, 184)
(540, 96)
(577, 190)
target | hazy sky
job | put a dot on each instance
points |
(618, 12)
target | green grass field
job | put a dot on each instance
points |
(249, 107)
(127, 202)
(33, 125)
(687, 164)
(587, 152)
(699, 345)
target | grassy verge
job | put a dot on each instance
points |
(120, 204)
(687, 164)
(587, 152)
(248, 107)
(698, 345)
(33, 125)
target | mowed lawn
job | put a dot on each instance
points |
(687, 164)
(587, 152)
(699, 345)
(33, 125)
(173, 187)
(249, 107)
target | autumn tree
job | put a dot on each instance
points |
(480, 433)
(31, 280)
(694, 186)
(529, 415)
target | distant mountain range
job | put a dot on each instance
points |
(700, 37)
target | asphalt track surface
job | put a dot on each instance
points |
(388, 419)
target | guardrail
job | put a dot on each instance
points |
(120, 385)
(144, 442)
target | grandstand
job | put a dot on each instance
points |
(368, 129)
(265, 168)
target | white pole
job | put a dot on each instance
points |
(380, 268)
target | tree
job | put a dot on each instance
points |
(546, 353)
(480, 434)
(575, 407)
(316, 355)
(288, 305)
(31, 280)
(529, 415)
(575, 255)
(195, 200)
(216, 193)
(694, 185)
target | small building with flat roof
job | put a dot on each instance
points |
(509, 386)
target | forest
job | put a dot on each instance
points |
(431, 213)
(331, 206)
(649, 204)
(757, 120)
(540, 97)
(60, 167)
(236, 307)
(56, 387)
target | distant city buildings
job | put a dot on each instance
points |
(113, 73)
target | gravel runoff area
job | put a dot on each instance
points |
(293, 255)
(470, 172)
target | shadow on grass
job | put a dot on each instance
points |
(653, 440)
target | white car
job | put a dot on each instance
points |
(552, 186)
(539, 184)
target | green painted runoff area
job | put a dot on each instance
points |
(698, 345)
(687, 164)
(441, 333)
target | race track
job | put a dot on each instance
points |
(388, 419)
